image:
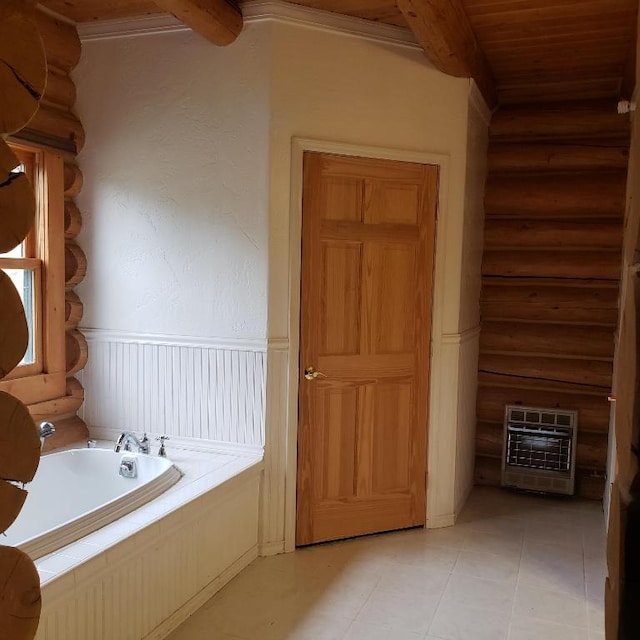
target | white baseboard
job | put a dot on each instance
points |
(272, 548)
(444, 520)
(190, 607)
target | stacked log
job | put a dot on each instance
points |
(22, 82)
(554, 205)
(56, 126)
(55, 123)
(71, 428)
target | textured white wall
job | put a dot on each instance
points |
(175, 194)
(334, 88)
(341, 89)
(188, 218)
(473, 233)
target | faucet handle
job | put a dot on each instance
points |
(145, 446)
(162, 452)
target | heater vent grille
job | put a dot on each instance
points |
(539, 449)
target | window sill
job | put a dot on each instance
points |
(38, 388)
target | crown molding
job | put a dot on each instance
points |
(277, 10)
(130, 27)
(256, 11)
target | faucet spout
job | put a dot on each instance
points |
(126, 440)
(46, 429)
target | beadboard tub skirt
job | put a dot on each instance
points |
(153, 568)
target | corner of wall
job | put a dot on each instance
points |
(478, 119)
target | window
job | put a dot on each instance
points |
(24, 266)
(37, 270)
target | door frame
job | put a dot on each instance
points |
(299, 146)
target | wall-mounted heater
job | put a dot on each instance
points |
(539, 449)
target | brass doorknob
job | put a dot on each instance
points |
(311, 374)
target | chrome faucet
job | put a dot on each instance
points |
(127, 439)
(46, 429)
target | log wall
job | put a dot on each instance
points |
(55, 125)
(554, 205)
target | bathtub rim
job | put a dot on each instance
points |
(71, 531)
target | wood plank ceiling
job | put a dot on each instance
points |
(537, 50)
(555, 49)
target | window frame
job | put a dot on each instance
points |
(46, 380)
(31, 159)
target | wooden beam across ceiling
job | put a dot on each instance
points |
(217, 20)
(444, 32)
(220, 21)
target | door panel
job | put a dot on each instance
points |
(392, 425)
(343, 199)
(368, 241)
(394, 203)
(341, 303)
(338, 411)
(389, 309)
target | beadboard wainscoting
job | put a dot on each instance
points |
(467, 385)
(209, 392)
(451, 425)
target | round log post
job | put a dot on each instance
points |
(14, 336)
(11, 501)
(73, 309)
(61, 41)
(20, 598)
(72, 180)
(60, 90)
(75, 264)
(77, 351)
(75, 389)
(59, 123)
(17, 202)
(19, 441)
(72, 220)
(23, 71)
(23, 76)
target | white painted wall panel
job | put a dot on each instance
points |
(205, 392)
(175, 196)
(466, 427)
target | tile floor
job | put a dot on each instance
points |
(515, 567)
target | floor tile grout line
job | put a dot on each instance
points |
(445, 588)
(455, 565)
(515, 589)
(584, 575)
(362, 606)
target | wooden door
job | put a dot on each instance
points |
(367, 272)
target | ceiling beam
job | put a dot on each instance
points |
(217, 20)
(443, 30)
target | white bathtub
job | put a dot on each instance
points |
(78, 491)
(166, 559)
